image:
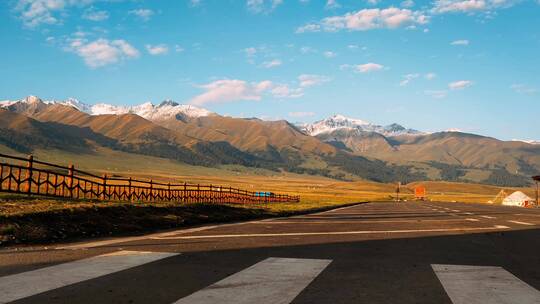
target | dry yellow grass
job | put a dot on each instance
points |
(314, 190)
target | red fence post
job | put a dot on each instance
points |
(70, 180)
(29, 174)
(184, 196)
(130, 195)
(152, 189)
(104, 185)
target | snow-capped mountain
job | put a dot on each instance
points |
(163, 111)
(531, 142)
(340, 122)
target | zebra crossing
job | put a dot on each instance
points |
(271, 280)
(26, 284)
(484, 284)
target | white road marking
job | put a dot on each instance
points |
(338, 209)
(522, 223)
(488, 217)
(26, 284)
(463, 229)
(146, 237)
(330, 221)
(374, 213)
(472, 220)
(484, 284)
(365, 216)
(274, 280)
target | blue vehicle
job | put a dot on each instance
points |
(264, 194)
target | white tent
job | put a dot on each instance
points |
(518, 199)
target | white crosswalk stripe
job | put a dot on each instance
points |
(484, 284)
(26, 284)
(521, 223)
(274, 280)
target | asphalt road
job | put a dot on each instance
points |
(368, 253)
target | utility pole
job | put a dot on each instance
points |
(397, 191)
(537, 180)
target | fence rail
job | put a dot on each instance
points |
(67, 182)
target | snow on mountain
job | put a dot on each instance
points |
(339, 122)
(531, 142)
(165, 110)
(30, 100)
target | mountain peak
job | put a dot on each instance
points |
(166, 109)
(343, 118)
(31, 99)
(340, 122)
(168, 102)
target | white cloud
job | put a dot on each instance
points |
(330, 4)
(102, 52)
(310, 27)
(460, 42)
(159, 49)
(262, 6)
(430, 76)
(523, 89)
(460, 85)
(368, 19)
(408, 78)
(250, 52)
(301, 114)
(36, 12)
(438, 94)
(329, 54)
(444, 6)
(407, 3)
(307, 49)
(232, 90)
(368, 67)
(272, 63)
(143, 13)
(309, 80)
(94, 15)
(470, 6)
(284, 91)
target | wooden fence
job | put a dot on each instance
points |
(29, 177)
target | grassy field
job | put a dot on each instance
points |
(312, 189)
(26, 219)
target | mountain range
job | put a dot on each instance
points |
(337, 147)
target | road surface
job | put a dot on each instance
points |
(368, 253)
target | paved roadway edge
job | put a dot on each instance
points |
(98, 242)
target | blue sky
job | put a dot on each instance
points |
(471, 65)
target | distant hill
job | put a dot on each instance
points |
(337, 147)
(453, 156)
